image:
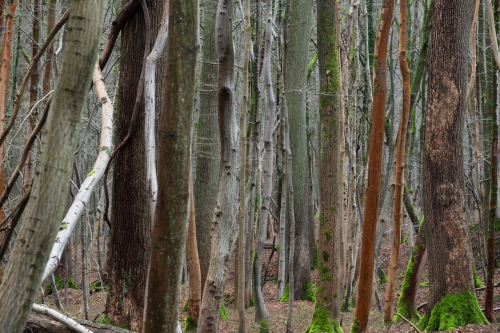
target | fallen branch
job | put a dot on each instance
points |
(61, 318)
(94, 176)
(42, 323)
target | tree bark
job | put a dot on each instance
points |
(295, 72)
(208, 143)
(174, 143)
(223, 221)
(46, 207)
(365, 287)
(400, 165)
(446, 226)
(130, 235)
(326, 313)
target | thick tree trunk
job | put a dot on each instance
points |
(46, 207)
(174, 153)
(130, 235)
(223, 221)
(447, 237)
(208, 143)
(365, 287)
(326, 313)
(295, 72)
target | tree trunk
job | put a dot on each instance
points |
(46, 207)
(223, 220)
(261, 313)
(174, 142)
(192, 257)
(447, 238)
(400, 166)
(208, 144)
(130, 234)
(326, 313)
(295, 73)
(365, 287)
(29, 165)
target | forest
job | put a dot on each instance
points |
(249, 166)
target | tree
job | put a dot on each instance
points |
(295, 73)
(130, 235)
(46, 207)
(365, 286)
(326, 313)
(174, 153)
(452, 301)
(208, 144)
(400, 165)
(223, 219)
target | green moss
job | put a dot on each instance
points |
(309, 296)
(190, 325)
(286, 294)
(310, 66)
(105, 320)
(264, 326)
(321, 322)
(424, 284)
(314, 265)
(223, 313)
(454, 310)
(382, 276)
(405, 308)
(356, 328)
(60, 284)
(186, 306)
(477, 281)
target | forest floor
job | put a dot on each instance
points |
(302, 310)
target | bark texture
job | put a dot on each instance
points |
(446, 227)
(365, 286)
(295, 74)
(326, 313)
(173, 159)
(223, 222)
(46, 207)
(39, 323)
(130, 236)
(208, 142)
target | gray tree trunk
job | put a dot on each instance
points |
(295, 73)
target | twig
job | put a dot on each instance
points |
(409, 322)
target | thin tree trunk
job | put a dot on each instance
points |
(29, 168)
(365, 287)
(46, 208)
(400, 165)
(192, 256)
(170, 228)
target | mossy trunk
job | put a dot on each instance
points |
(326, 313)
(446, 224)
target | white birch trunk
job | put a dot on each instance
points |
(61, 318)
(149, 96)
(94, 176)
